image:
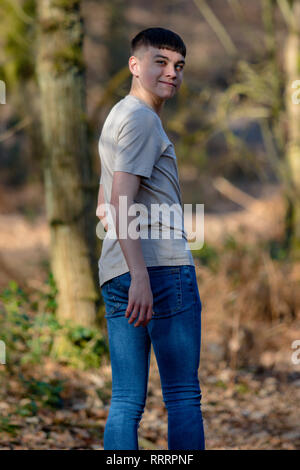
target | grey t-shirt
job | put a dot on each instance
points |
(133, 140)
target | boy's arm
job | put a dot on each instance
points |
(127, 184)
(140, 298)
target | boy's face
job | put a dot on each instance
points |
(158, 71)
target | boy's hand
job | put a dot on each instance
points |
(140, 299)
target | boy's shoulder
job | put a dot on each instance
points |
(132, 112)
(131, 108)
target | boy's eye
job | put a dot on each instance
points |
(163, 62)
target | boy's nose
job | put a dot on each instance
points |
(170, 71)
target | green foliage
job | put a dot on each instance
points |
(29, 408)
(42, 393)
(31, 331)
(69, 56)
(68, 5)
(17, 32)
(237, 252)
(260, 83)
(232, 245)
(278, 250)
(256, 94)
(7, 426)
(50, 296)
(221, 384)
(28, 337)
(79, 346)
(208, 256)
(242, 388)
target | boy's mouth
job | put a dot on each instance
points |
(168, 83)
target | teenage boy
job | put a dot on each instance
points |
(149, 279)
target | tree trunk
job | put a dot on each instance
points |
(67, 165)
(292, 70)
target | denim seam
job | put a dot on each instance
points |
(118, 305)
(192, 284)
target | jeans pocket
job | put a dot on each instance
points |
(165, 284)
(111, 301)
(166, 289)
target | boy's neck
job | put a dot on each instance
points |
(155, 103)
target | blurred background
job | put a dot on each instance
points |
(235, 125)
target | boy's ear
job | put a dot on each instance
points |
(133, 65)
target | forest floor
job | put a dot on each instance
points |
(250, 385)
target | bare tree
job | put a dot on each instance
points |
(292, 61)
(67, 165)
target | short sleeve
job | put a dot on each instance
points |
(139, 144)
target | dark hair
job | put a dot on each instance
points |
(158, 37)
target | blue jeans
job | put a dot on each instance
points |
(175, 333)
